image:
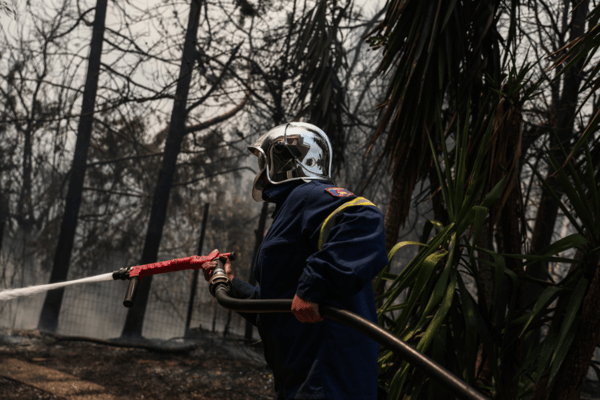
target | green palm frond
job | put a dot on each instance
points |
(452, 110)
(438, 53)
(321, 57)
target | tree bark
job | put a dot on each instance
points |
(397, 212)
(511, 233)
(52, 304)
(393, 218)
(3, 212)
(548, 210)
(393, 221)
(573, 371)
(24, 206)
(505, 148)
(160, 200)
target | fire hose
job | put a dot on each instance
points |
(219, 286)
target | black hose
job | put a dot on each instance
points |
(425, 364)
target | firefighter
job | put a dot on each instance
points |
(325, 246)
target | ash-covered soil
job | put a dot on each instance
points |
(203, 367)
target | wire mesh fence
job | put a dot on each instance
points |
(96, 310)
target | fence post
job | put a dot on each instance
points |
(188, 319)
(259, 234)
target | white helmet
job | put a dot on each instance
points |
(288, 152)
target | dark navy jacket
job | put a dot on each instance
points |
(326, 360)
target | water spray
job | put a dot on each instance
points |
(31, 290)
(134, 274)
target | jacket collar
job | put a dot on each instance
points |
(278, 193)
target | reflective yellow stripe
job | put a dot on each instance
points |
(329, 222)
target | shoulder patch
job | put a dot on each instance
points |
(339, 192)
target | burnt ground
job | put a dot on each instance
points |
(41, 366)
(49, 367)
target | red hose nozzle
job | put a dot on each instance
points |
(136, 273)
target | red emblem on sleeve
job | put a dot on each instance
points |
(339, 192)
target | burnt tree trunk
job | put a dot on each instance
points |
(160, 199)
(511, 224)
(397, 212)
(52, 304)
(505, 149)
(393, 221)
(513, 353)
(24, 206)
(393, 215)
(545, 219)
(3, 212)
(573, 370)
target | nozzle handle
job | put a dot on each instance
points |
(219, 277)
(131, 291)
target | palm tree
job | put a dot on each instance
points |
(453, 114)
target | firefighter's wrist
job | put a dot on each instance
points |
(310, 289)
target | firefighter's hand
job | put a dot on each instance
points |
(208, 267)
(306, 311)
